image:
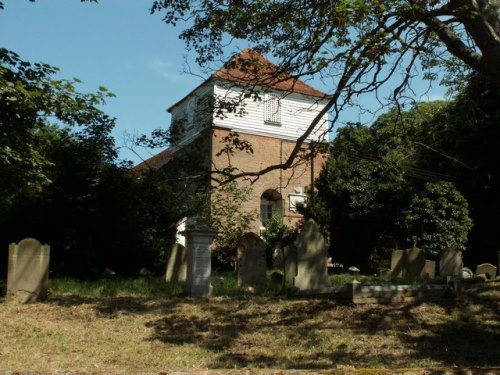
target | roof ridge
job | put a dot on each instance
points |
(249, 67)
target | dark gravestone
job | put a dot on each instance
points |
(176, 264)
(290, 265)
(397, 263)
(450, 263)
(408, 263)
(414, 263)
(251, 261)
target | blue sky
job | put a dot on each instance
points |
(117, 44)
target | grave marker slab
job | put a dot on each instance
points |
(199, 264)
(251, 261)
(430, 269)
(176, 264)
(290, 265)
(397, 263)
(450, 263)
(414, 262)
(408, 263)
(312, 272)
(487, 269)
(28, 271)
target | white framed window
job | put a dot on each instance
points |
(271, 203)
(272, 109)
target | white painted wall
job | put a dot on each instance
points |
(297, 112)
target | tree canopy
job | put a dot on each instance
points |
(428, 179)
(356, 47)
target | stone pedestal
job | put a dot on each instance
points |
(199, 264)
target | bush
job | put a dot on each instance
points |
(276, 234)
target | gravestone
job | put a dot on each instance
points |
(28, 271)
(251, 261)
(430, 269)
(487, 269)
(290, 265)
(408, 263)
(176, 264)
(397, 263)
(199, 266)
(312, 272)
(414, 262)
(450, 263)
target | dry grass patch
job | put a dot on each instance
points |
(131, 333)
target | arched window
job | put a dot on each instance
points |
(271, 203)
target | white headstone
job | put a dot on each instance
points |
(199, 264)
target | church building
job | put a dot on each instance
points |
(253, 115)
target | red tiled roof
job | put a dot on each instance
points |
(251, 68)
(154, 162)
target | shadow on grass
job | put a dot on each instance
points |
(316, 334)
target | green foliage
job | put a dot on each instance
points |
(276, 234)
(437, 218)
(116, 287)
(374, 185)
(59, 181)
(229, 221)
(29, 99)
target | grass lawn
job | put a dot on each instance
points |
(143, 325)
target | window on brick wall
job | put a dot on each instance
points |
(271, 203)
(272, 109)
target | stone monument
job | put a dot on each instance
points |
(312, 272)
(408, 263)
(450, 263)
(487, 269)
(397, 263)
(430, 269)
(199, 266)
(290, 265)
(28, 271)
(176, 264)
(251, 261)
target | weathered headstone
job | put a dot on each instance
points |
(487, 269)
(199, 264)
(312, 272)
(408, 263)
(176, 264)
(251, 261)
(397, 263)
(290, 265)
(414, 262)
(430, 269)
(450, 263)
(28, 272)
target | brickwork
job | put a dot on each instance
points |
(267, 151)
